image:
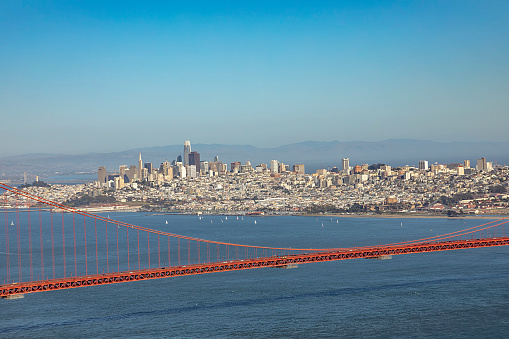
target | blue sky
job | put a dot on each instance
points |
(100, 76)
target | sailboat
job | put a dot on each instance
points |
(255, 222)
(12, 223)
(166, 222)
(226, 218)
(337, 221)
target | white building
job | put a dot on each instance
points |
(345, 165)
(274, 166)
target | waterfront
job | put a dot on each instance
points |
(458, 293)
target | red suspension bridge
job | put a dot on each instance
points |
(49, 246)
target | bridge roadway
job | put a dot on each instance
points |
(235, 265)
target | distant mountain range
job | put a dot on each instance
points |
(313, 154)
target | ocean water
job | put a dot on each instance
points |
(462, 293)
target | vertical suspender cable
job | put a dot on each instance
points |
(85, 230)
(52, 242)
(74, 238)
(128, 263)
(107, 250)
(7, 257)
(63, 241)
(42, 243)
(118, 256)
(96, 256)
(19, 241)
(30, 243)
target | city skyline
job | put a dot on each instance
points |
(79, 78)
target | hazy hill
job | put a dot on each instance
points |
(313, 154)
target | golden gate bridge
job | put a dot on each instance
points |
(50, 246)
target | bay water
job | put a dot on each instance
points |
(463, 293)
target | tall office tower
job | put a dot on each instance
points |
(164, 167)
(216, 158)
(423, 165)
(140, 168)
(345, 165)
(235, 167)
(274, 164)
(298, 169)
(133, 173)
(282, 167)
(187, 151)
(204, 167)
(122, 169)
(481, 164)
(191, 171)
(466, 163)
(148, 166)
(194, 159)
(102, 175)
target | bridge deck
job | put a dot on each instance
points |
(234, 265)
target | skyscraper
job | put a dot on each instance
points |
(299, 169)
(194, 159)
(423, 164)
(102, 175)
(345, 165)
(187, 151)
(140, 168)
(482, 164)
(274, 166)
(148, 166)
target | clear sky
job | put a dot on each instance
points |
(100, 76)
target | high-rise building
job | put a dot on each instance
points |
(148, 166)
(204, 167)
(274, 166)
(140, 168)
(194, 159)
(482, 164)
(187, 151)
(235, 167)
(133, 173)
(345, 165)
(298, 169)
(191, 171)
(423, 165)
(102, 175)
(466, 163)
